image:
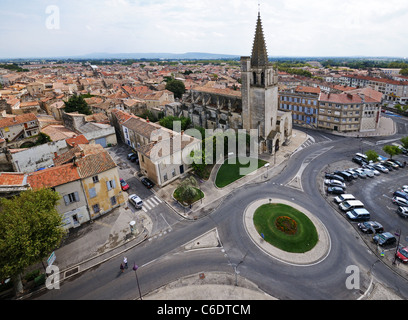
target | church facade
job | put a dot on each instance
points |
(254, 107)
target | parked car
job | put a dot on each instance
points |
(359, 160)
(402, 254)
(371, 227)
(334, 183)
(332, 176)
(124, 185)
(388, 165)
(400, 201)
(130, 155)
(353, 173)
(134, 158)
(381, 168)
(368, 172)
(384, 239)
(374, 170)
(148, 183)
(402, 211)
(400, 194)
(398, 163)
(335, 190)
(393, 164)
(347, 176)
(136, 201)
(361, 173)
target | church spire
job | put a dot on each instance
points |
(259, 56)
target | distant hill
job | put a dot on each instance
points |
(165, 56)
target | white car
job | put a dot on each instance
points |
(361, 173)
(381, 168)
(334, 183)
(136, 201)
(400, 201)
(369, 173)
(374, 170)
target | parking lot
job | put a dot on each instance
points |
(376, 193)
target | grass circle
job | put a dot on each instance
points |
(285, 228)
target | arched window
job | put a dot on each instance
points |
(254, 74)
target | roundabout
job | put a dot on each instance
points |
(316, 253)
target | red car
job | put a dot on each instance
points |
(124, 184)
(402, 254)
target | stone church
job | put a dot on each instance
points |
(255, 107)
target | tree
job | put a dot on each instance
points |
(404, 142)
(77, 104)
(371, 155)
(392, 150)
(177, 87)
(168, 122)
(30, 229)
(187, 190)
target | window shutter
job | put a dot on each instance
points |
(66, 199)
(113, 184)
(76, 196)
(92, 193)
(108, 185)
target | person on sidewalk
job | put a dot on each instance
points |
(125, 262)
(122, 268)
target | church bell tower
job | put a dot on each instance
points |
(259, 89)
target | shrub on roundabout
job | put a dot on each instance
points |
(285, 228)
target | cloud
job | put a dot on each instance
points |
(292, 27)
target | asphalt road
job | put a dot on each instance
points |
(163, 260)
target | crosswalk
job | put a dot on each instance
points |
(149, 204)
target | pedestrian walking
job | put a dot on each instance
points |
(125, 262)
(122, 268)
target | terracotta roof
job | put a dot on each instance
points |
(121, 115)
(93, 164)
(53, 177)
(225, 92)
(344, 98)
(16, 120)
(12, 179)
(144, 128)
(77, 140)
(308, 89)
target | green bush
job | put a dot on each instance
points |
(32, 275)
(40, 280)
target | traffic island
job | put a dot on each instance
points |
(287, 232)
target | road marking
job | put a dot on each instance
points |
(154, 201)
(146, 204)
(144, 209)
(158, 199)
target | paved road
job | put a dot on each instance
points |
(163, 259)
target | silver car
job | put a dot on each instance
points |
(136, 201)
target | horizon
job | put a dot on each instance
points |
(293, 28)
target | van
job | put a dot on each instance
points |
(344, 174)
(360, 155)
(350, 205)
(359, 214)
(344, 197)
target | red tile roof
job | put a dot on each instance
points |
(19, 119)
(77, 140)
(344, 98)
(53, 177)
(12, 179)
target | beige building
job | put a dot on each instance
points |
(16, 129)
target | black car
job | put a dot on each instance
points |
(384, 239)
(344, 174)
(359, 160)
(371, 227)
(134, 158)
(335, 190)
(332, 176)
(148, 183)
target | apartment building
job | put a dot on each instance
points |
(303, 102)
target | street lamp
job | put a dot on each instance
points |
(135, 267)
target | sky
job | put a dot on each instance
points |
(310, 28)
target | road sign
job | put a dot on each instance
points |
(51, 259)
